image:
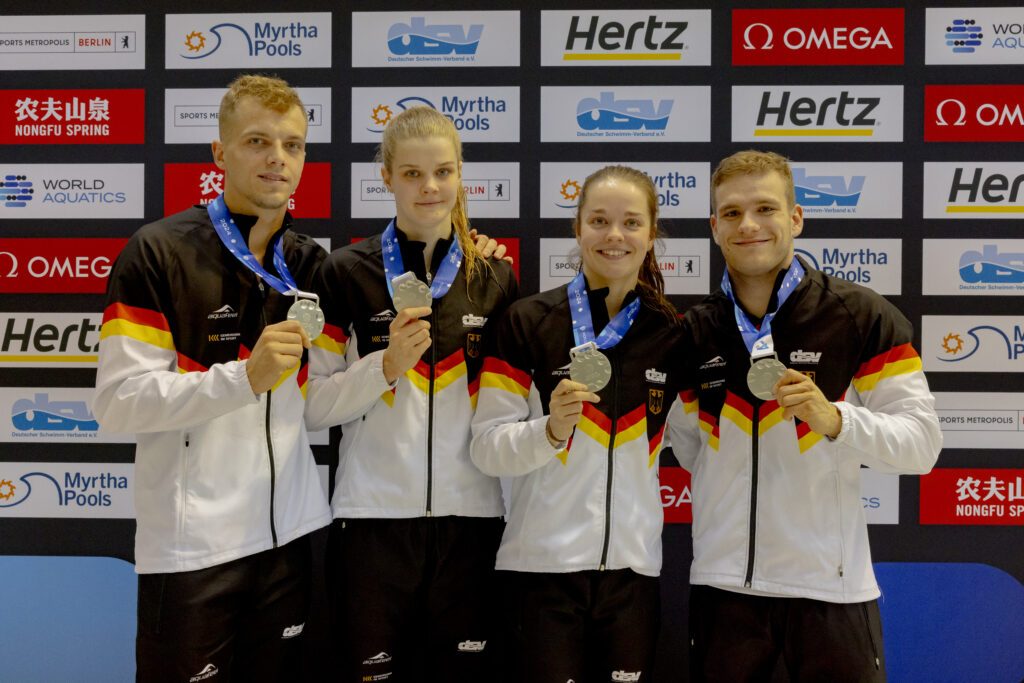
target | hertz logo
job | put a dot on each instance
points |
(842, 115)
(998, 193)
(660, 39)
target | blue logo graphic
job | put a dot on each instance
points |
(12, 494)
(955, 345)
(988, 266)
(416, 38)
(16, 191)
(79, 490)
(809, 257)
(607, 113)
(962, 36)
(826, 190)
(42, 415)
(382, 113)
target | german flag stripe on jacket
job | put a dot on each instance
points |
(777, 505)
(405, 447)
(182, 319)
(604, 484)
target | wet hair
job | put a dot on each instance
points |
(650, 283)
(753, 162)
(426, 122)
(271, 92)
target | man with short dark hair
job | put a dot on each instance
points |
(795, 381)
(199, 358)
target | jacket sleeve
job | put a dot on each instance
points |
(140, 386)
(342, 386)
(683, 416)
(888, 415)
(509, 437)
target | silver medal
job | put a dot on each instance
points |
(589, 366)
(408, 291)
(762, 377)
(308, 314)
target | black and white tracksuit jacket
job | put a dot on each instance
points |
(595, 504)
(220, 473)
(405, 450)
(777, 507)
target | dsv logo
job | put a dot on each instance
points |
(418, 38)
(953, 112)
(607, 113)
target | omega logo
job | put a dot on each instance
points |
(986, 114)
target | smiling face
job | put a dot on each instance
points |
(425, 176)
(614, 233)
(754, 224)
(261, 152)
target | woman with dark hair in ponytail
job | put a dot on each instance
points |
(416, 525)
(573, 402)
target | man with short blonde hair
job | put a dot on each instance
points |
(198, 360)
(796, 380)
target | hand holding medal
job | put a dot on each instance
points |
(802, 399)
(413, 299)
(565, 409)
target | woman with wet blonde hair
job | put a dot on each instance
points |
(416, 525)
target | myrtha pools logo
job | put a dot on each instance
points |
(266, 40)
(958, 347)
(570, 192)
(77, 490)
(466, 113)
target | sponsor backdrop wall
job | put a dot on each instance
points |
(904, 126)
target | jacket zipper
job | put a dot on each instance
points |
(273, 473)
(611, 464)
(752, 535)
(430, 404)
(184, 486)
(871, 637)
(839, 509)
(266, 427)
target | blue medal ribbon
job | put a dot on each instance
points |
(759, 341)
(583, 322)
(393, 266)
(232, 238)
